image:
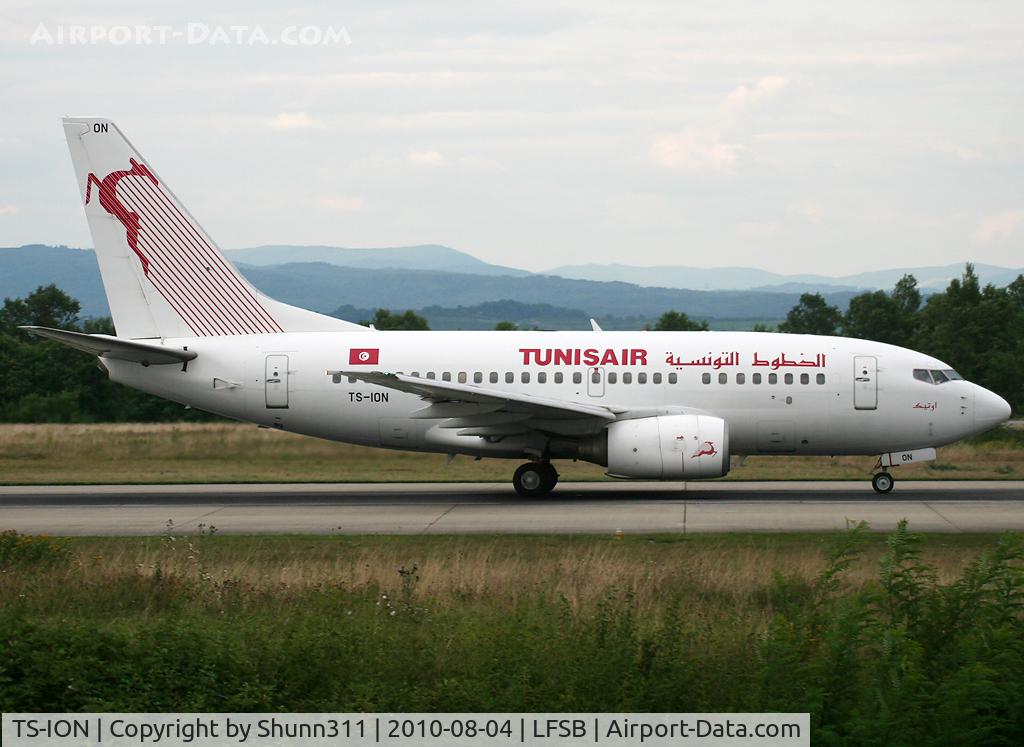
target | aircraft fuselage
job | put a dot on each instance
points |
(780, 394)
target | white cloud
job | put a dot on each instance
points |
(9, 210)
(764, 88)
(689, 151)
(959, 152)
(704, 150)
(427, 158)
(342, 204)
(809, 210)
(295, 121)
(759, 231)
(999, 226)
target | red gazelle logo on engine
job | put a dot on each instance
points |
(707, 450)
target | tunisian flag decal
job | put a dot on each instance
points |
(363, 356)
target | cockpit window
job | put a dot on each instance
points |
(934, 376)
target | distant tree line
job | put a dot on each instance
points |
(977, 330)
(385, 319)
(45, 382)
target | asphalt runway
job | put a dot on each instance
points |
(458, 508)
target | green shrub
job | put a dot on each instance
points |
(20, 550)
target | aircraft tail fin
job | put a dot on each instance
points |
(163, 274)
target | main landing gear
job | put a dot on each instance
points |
(535, 478)
(882, 482)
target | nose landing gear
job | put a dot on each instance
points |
(534, 479)
(882, 482)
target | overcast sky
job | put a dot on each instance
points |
(797, 137)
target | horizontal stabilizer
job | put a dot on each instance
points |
(115, 347)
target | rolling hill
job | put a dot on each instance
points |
(423, 257)
(325, 287)
(455, 290)
(742, 278)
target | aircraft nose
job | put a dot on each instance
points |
(989, 410)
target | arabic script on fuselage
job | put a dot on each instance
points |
(732, 358)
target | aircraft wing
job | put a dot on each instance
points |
(118, 348)
(476, 410)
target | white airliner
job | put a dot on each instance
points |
(648, 405)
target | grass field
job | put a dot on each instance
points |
(722, 570)
(186, 453)
(885, 640)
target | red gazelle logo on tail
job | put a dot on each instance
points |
(707, 450)
(110, 202)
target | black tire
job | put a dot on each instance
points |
(532, 479)
(550, 476)
(883, 483)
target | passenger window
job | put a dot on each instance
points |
(415, 373)
(627, 378)
(755, 379)
(446, 376)
(577, 377)
(525, 378)
(559, 378)
(805, 378)
(478, 378)
(595, 376)
(820, 378)
(612, 377)
(706, 378)
(741, 378)
(789, 378)
(462, 377)
(431, 375)
(656, 378)
(672, 378)
(773, 378)
(641, 378)
(723, 378)
(542, 378)
(494, 377)
(352, 379)
(510, 377)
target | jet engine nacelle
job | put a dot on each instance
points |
(667, 447)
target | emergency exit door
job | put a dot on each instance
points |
(276, 380)
(865, 382)
(595, 381)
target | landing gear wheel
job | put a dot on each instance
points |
(882, 482)
(550, 476)
(533, 479)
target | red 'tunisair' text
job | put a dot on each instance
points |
(583, 357)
